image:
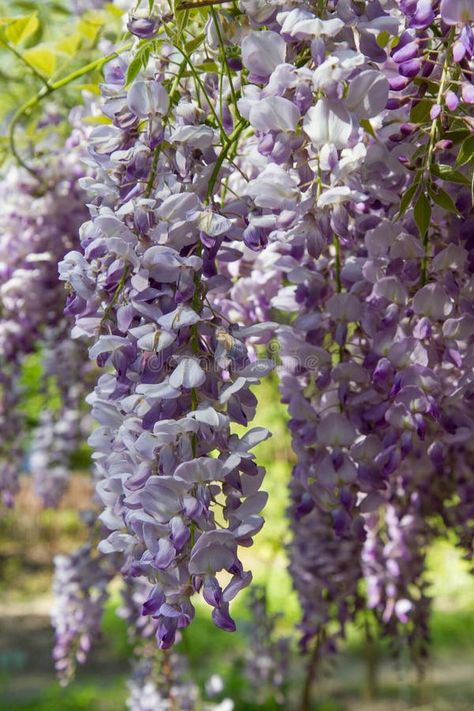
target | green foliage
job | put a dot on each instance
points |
(79, 696)
(40, 45)
(446, 172)
(466, 152)
(37, 391)
(20, 29)
(211, 651)
(81, 458)
(268, 554)
(42, 59)
(422, 213)
(383, 38)
(139, 61)
(407, 197)
(420, 112)
(442, 198)
(114, 629)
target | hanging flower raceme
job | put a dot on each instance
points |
(55, 439)
(291, 175)
(268, 655)
(262, 174)
(301, 183)
(394, 563)
(38, 225)
(80, 588)
(60, 431)
(159, 681)
(370, 369)
(166, 686)
(155, 689)
(11, 442)
(181, 491)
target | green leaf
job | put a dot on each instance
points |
(407, 198)
(208, 67)
(133, 69)
(368, 128)
(442, 198)
(95, 17)
(113, 10)
(382, 39)
(69, 44)
(457, 135)
(431, 86)
(419, 153)
(91, 88)
(91, 23)
(21, 29)
(466, 152)
(420, 113)
(422, 213)
(139, 61)
(42, 59)
(180, 24)
(191, 46)
(94, 120)
(395, 42)
(446, 172)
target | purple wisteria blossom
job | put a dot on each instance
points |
(268, 655)
(38, 225)
(180, 490)
(80, 587)
(299, 183)
(268, 186)
(370, 372)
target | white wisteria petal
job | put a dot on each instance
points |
(147, 98)
(274, 113)
(107, 344)
(339, 195)
(187, 374)
(302, 24)
(197, 136)
(273, 188)
(179, 318)
(433, 301)
(328, 122)
(262, 52)
(200, 470)
(344, 307)
(451, 258)
(368, 94)
(391, 288)
(176, 207)
(213, 224)
(335, 430)
(457, 12)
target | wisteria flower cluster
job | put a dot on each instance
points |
(38, 226)
(356, 219)
(281, 191)
(268, 655)
(80, 589)
(179, 374)
(271, 186)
